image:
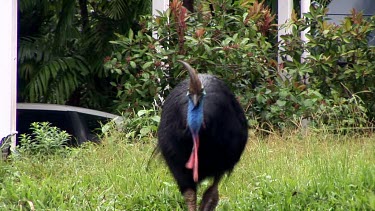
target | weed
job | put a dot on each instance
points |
(138, 126)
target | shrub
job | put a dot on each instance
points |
(231, 44)
(340, 65)
(44, 140)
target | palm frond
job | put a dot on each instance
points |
(117, 9)
(24, 5)
(64, 87)
(56, 57)
(56, 80)
(26, 49)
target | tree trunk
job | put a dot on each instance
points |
(189, 4)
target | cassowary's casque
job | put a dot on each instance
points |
(202, 133)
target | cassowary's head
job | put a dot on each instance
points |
(196, 89)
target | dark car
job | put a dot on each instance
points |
(81, 123)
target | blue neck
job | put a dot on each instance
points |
(195, 116)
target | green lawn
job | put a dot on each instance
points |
(293, 172)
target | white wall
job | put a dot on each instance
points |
(305, 8)
(338, 9)
(284, 12)
(159, 6)
(8, 66)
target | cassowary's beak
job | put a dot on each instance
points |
(195, 85)
(195, 99)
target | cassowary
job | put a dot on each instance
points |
(202, 134)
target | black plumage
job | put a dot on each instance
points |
(222, 134)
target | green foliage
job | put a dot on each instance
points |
(282, 104)
(236, 45)
(48, 69)
(341, 114)
(318, 88)
(44, 140)
(231, 46)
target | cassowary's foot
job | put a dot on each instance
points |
(210, 198)
(191, 199)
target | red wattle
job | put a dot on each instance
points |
(190, 163)
(193, 160)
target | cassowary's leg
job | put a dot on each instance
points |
(210, 197)
(191, 199)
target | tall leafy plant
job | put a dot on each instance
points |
(233, 43)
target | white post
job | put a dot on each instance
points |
(285, 8)
(8, 68)
(159, 5)
(305, 8)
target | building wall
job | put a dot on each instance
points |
(339, 9)
(8, 67)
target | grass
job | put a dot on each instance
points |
(290, 172)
